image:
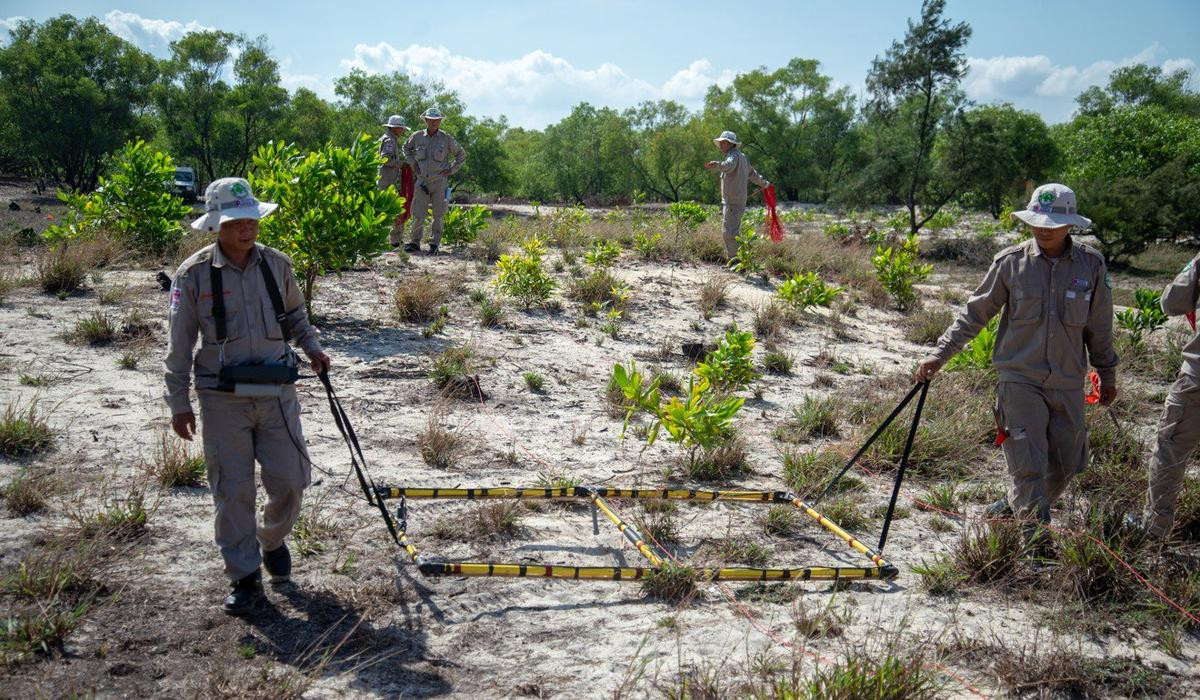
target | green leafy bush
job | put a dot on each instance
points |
(1146, 316)
(807, 289)
(729, 367)
(898, 271)
(647, 245)
(686, 215)
(746, 260)
(132, 203)
(331, 215)
(836, 230)
(941, 220)
(521, 275)
(978, 353)
(462, 225)
(603, 253)
(700, 420)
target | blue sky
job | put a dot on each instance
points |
(534, 60)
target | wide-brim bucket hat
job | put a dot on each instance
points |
(230, 199)
(727, 136)
(1052, 206)
(432, 113)
(395, 121)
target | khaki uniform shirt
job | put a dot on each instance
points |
(389, 150)
(252, 333)
(429, 155)
(1057, 316)
(735, 172)
(1178, 299)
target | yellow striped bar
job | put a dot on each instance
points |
(629, 573)
(629, 531)
(569, 492)
(888, 570)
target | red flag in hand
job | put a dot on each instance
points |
(773, 226)
(1093, 396)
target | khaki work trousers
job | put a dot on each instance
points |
(390, 177)
(731, 225)
(1178, 434)
(1047, 444)
(237, 430)
(435, 198)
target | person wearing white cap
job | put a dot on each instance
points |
(735, 171)
(391, 172)
(434, 156)
(241, 300)
(1055, 301)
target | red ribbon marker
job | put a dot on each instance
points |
(773, 226)
(1093, 396)
(1191, 317)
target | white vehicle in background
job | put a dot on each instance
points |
(185, 184)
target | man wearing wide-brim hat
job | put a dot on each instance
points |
(434, 156)
(241, 300)
(395, 172)
(1055, 301)
(735, 171)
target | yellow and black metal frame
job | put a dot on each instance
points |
(598, 497)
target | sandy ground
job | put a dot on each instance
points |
(160, 632)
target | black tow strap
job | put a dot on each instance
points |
(922, 389)
(356, 454)
(218, 292)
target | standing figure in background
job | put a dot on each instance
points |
(434, 156)
(395, 172)
(735, 171)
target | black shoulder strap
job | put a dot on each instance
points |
(218, 297)
(276, 298)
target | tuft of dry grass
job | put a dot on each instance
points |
(24, 431)
(673, 583)
(713, 294)
(63, 269)
(925, 326)
(439, 446)
(173, 464)
(27, 493)
(770, 320)
(496, 519)
(418, 299)
(719, 464)
(115, 518)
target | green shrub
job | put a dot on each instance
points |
(331, 215)
(534, 381)
(978, 353)
(452, 368)
(898, 271)
(806, 290)
(521, 275)
(747, 260)
(461, 225)
(1146, 316)
(941, 220)
(602, 254)
(647, 245)
(132, 203)
(836, 230)
(686, 215)
(729, 367)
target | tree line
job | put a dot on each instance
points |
(72, 92)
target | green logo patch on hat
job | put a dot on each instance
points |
(1047, 197)
(239, 189)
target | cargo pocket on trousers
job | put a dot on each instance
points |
(1172, 417)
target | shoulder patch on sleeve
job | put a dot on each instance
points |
(176, 295)
(1107, 280)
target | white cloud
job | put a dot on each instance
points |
(1017, 77)
(153, 35)
(537, 88)
(9, 23)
